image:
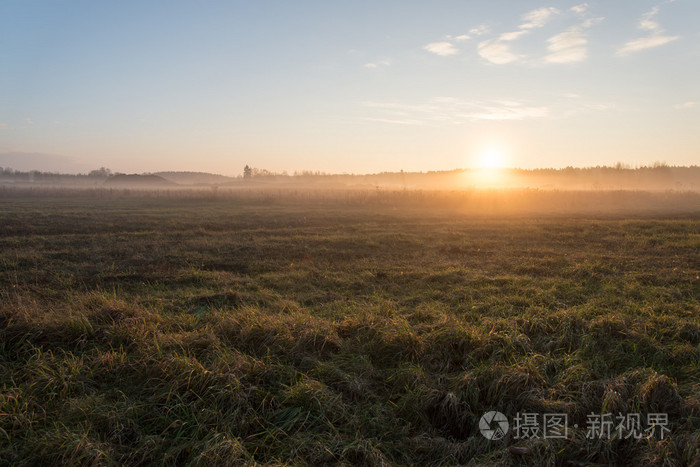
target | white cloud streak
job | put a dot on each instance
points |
(377, 64)
(441, 48)
(645, 43)
(511, 36)
(685, 105)
(441, 111)
(570, 46)
(648, 22)
(498, 50)
(444, 111)
(480, 30)
(567, 47)
(580, 9)
(656, 39)
(538, 18)
(590, 22)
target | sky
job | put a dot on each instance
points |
(347, 86)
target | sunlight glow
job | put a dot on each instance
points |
(488, 164)
(491, 157)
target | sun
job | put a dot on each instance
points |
(489, 167)
(491, 157)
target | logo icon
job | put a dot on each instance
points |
(493, 425)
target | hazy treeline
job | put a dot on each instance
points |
(94, 177)
(659, 177)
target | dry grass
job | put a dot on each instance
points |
(148, 330)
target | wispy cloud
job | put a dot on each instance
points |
(567, 47)
(645, 43)
(648, 22)
(21, 126)
(511, 36)
(498, 50)
(538, 18)
(395, 121)
(447, 47)
(442, 111)
(655, 39)
(446, 110)
(685, 105)
(590, 22)
(479, 30)
(570, 46)
(510, 111)
(441, 48)
(580, 9)
(378, 64)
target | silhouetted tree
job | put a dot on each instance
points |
(247, 172)
(101, 172)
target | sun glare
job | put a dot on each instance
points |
(491, 157)
(487, 168)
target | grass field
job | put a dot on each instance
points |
(201, 330)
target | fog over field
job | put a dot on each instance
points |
(659, 177)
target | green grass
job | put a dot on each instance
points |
(192, 330)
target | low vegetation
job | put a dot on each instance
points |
(143, 329)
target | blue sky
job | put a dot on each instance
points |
(348, 86)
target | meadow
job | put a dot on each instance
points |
(373, 328)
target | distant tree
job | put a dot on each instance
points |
(101, 172)
(247, 172)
